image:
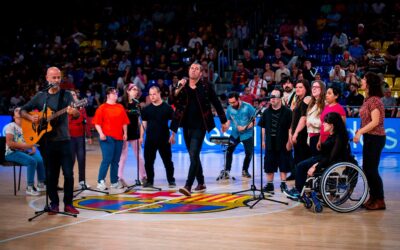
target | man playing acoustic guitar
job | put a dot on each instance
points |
(54, 136)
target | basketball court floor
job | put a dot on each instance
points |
(141, 219)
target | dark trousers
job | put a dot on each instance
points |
(150, 150)
(248, 149)
(194, 141)
(78, 147)
(301, 152)
(372, 149)
(59, 155)
(302, 169)
(313, 145)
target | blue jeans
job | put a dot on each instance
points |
(194, 141)
(302, 169)
(111, 151)
(33, 162)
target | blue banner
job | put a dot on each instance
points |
(392, 128)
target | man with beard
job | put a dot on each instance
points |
(289, 94)
(354, 101)
(240, 115)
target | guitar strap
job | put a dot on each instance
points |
(60, 99)
(60, 104)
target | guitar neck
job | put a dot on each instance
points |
(57, 114)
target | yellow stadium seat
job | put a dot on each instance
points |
(385, 45)
(376, 44)
(389, 81)
(396, 85)
(96, 44)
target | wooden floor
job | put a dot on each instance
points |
(268, 226)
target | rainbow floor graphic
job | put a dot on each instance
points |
(162, 202)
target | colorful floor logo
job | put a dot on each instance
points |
(163, 202)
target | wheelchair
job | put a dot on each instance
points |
(342, 187)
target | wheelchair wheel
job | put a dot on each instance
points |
(344, 187)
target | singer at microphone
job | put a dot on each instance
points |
(49, 86)
(182, 82)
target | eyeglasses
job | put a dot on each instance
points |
(316, 87)
(136, 89)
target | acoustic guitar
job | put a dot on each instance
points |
(32, 132)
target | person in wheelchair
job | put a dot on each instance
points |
(335, 149)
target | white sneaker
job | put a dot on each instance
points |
(83, 184)
(31, 190)
(101, 185)
(41, 187)
(117, 185)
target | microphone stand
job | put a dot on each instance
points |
(253, 187)
(84, 187)
(137, 181)
(44, 153)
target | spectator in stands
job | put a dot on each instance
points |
(377, 63)
(256, 84)
(275, 59)
(259, 61)
(248, 62)
(389, 102)
(248, 96)
(392, 56)
(308, 70)
(337, 74)
(339, 42)
(286, 48)
(194, 38)
(346, 60)
(352, 74)
(282, 70)
(356, 50)
(354, 101)
(239, 78)
(300, 30)
(269, 75)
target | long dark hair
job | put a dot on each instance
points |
(374, 84)
(339, 128)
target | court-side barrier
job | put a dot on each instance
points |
(392, 128)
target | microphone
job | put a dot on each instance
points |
(180, 83)
(267, 98)
(135, 100)
(49, 86)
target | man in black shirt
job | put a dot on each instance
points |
(193, 99)
(57, 149)
(275, 123)
(354, 101)
(155, 118)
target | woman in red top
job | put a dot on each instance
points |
(77, 131)
(111, 123)
(372, 115)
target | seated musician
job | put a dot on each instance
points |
(335, 149)
(240, 116)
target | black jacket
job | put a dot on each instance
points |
(206, 96)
